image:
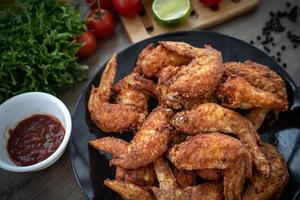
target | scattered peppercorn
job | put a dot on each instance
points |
(275, 26)
(284, 65)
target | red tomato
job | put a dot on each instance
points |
(127, 8)
(105, 4)
(100, 22)
(210, 2)
(89, 44)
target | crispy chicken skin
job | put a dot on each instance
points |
(144, 176)
(153, 59)
(205, 191)
(112, 117)
(262, 188)
(184, 178)
(128, 191)
(176, 85)
(148, 144)
(169, 189)
(117, 147)
(257, 116)
(209, 151)
(210, 117)
(260, 77)
(215, 151)
(210, 174)
(236, 92)
(134, 90)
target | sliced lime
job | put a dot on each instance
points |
(171, 12)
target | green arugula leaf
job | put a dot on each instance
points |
(38, 47)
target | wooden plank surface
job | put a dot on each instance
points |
(58, 182)
(202, 17)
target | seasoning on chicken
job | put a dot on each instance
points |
(215, 151)
(148, 144)
(128, 114)
(169, 190)
(263, 188)
(128, 191)
(153, 59)
(257, 116)
(212, 117)
(184, 178)
(144, 176)
(236, 92)
(210, 174)
(198, 79)
(256, 82)
(134, 90)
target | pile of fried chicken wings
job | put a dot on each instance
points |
(195, 145)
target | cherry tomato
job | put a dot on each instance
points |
(210, 2)
(89, 44)
(101, 23)
(105, 4)
(127, 8)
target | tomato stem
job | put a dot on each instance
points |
(99, 8)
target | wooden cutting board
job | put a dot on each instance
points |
(144, 26)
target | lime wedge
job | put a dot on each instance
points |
(171, 12)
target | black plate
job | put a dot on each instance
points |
(91, 167)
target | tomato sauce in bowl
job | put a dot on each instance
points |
(34, 139)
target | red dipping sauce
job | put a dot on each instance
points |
(35, 139)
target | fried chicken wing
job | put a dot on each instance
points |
(128, 191)
(210, 174)
(264, 82)
(153, 59)
(148, 144)
(117, 147)
(115, 117)
(134, 90)
(262, 188)
(169, 189)
(236, 92)
(258, 75)
(198, 79)
(212, 117)
(144, 176)
(215, 151)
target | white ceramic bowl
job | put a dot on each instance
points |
(25, 105)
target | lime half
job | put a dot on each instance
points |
(171, 12)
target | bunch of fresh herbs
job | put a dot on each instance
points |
(38, 47)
